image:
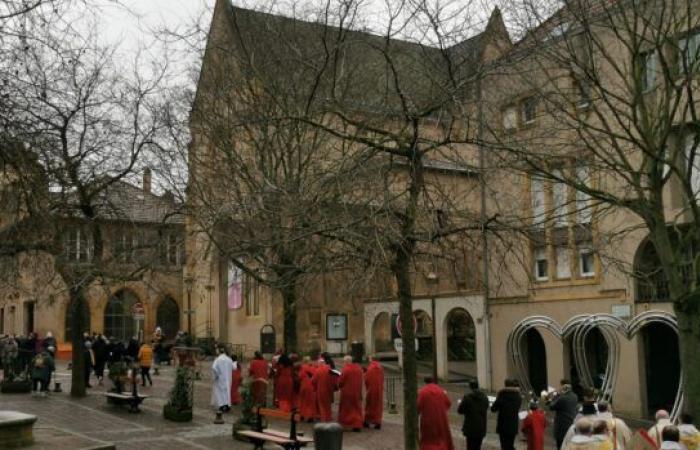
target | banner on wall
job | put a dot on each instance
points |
(235, 287)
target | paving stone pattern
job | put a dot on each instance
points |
(89, 423)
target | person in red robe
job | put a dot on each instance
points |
(350, 384)
(374, 394)
(236, 381)
(308, 407)
(284, 384)
(259, 371)
(533, 427)
(324, 384)
(433, 405)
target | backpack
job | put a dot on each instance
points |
(39, 362)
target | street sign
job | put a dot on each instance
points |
(622, 311)
(137, 309)
(398, 345)
(398, 325)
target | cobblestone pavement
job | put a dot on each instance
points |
(67, 423)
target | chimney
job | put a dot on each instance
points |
(147, 180)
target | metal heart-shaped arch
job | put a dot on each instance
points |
(578, 328)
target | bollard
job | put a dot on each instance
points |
(155, 371)
(328, 436)
(219, 419)
(57, 387)
(391, 394)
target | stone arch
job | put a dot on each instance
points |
(535, 352)
(381, 333)
(167, 316)
(662, 369)
(460, 339)
(118, 321)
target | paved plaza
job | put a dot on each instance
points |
(67, 423)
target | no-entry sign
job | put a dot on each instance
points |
(398, 324)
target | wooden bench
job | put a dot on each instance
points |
(287, 440)
(126, 398)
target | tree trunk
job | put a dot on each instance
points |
(410, 384)
(77, 388)
(688, 317)
(289, 298)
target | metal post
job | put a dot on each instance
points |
(435, 371)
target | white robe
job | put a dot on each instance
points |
(222, 370)
(617, 427)
(655, 431)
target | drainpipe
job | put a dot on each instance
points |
(484, 233)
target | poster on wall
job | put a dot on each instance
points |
(235, 287)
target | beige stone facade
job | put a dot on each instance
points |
(565, 268)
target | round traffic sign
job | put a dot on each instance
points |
(398, 324)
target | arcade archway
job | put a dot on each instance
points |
(535, 354)
(168, 317)
(381, 333)
(461, 344)
(119, 322)
(662, 366)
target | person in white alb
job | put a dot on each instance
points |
(619, 432)
(662, 421)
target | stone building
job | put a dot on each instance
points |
(565, 256)
(144, 236)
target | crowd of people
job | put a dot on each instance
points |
(305, 385)
(585, 425)
(29, 358)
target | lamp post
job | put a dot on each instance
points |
(433, 279)
(189, 284)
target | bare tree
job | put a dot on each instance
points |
(312, 140)
(609, 110)
(74, 125)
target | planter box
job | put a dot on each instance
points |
(175, 415)
(16, 387)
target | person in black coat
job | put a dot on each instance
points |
(101, 352)
(565, 407)
(507, 405)
(474, 407)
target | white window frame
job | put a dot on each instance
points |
(559, 201)
(584, 213)
(563, 254)
(689, 52)
(540, 254)
(649, 60)
(688, 143)
(582, 252)
(537, 201)
(510, 118)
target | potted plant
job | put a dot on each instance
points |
(179, 406)
(248, 418)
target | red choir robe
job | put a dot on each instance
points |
(433, 405)
(374, 394)
(284, 387)
(259, 372)
(307, 395)
(235, 384)
(533, 428)
(350, 408)
(324, 384)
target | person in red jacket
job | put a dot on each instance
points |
(284, 383)
(350, 384)
(374, 394)
(236, 381)
(259, 371)
(307, 395)
(324, 384)
(533, 427)
(433, 405)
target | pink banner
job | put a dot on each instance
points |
(235, 287)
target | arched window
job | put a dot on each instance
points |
(168, 317)
(118, 321)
